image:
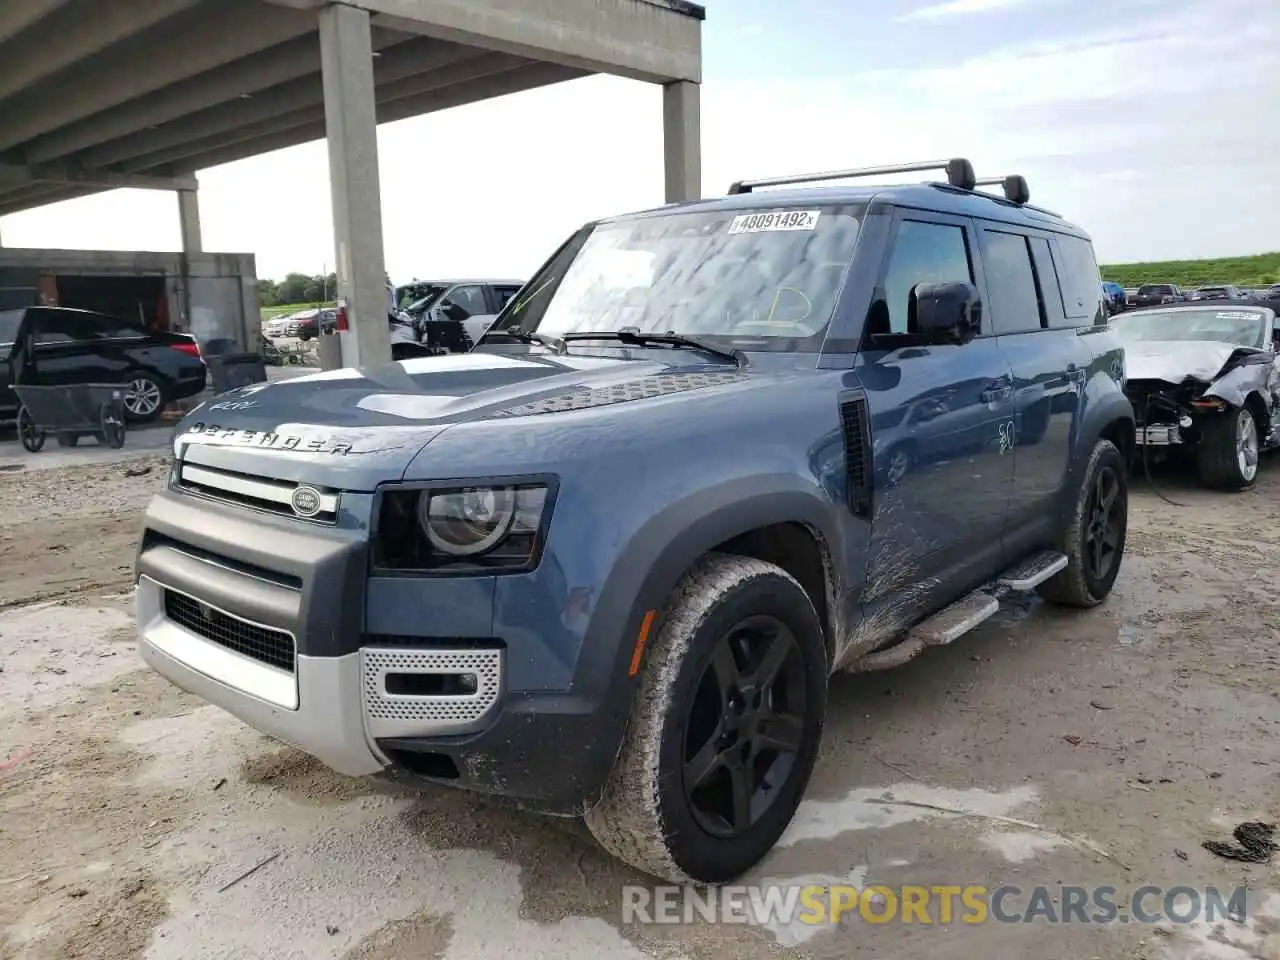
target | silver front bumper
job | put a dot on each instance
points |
(333, 708)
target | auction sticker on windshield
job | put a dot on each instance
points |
(777, 220)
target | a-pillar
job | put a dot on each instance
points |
(189, 221)
(682, 141)
(346, 59)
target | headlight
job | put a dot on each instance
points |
(478, 527)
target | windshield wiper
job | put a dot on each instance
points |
(524, 336)
(633, 337)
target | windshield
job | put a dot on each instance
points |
(765, 280)
(1244, 327)
(1152, 290)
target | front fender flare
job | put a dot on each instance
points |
(652, 561)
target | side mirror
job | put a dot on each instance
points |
(945, 312)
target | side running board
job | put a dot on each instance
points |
(949, 624)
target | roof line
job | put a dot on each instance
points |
(685, 7)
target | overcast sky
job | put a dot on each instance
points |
(1155, 124)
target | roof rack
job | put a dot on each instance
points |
(959, 174)
(1014, 185)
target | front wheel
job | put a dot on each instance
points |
(1227, 454)
(725, 726)
(1094, 538)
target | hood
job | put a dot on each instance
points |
(1174, 361)
(354, 428)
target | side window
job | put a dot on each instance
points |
(10, 320)
(59, 327)
(1011, 282)
(116, 329)
(1079, 280)
(1047, 278)
(469, 301)
(922, 253)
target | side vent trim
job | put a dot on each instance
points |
(857, 453)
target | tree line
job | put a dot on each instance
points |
(297, 288)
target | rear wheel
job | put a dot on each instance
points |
(1094, 538)
(725, 727)
(1227, 454)
(144, 397)
(31, 437)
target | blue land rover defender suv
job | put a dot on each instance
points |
(711, 454)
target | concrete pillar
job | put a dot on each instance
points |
(189, 221)
(346, 59)
(682, 140)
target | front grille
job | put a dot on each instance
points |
(272, 647)
(259, 493)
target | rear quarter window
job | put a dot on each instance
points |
(1078, 281)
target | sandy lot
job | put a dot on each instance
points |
(1045, 748)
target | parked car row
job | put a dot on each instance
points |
(1158, 294)
(305, 324)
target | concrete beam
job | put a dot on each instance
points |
(16, 17)
(228, 31)
(189, 221)
(79, 31)
(682, 141)
(398, 63)
(629, 38)
(352, 127)
(108, 179)
(429, 82)
(288, 61)
(34, 197)
(525, 78)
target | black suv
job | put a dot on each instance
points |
(69, 346)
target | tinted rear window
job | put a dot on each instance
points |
(1078, 277)
(1154, 290)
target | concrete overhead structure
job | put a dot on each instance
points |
(143, 93)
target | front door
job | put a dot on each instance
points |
(941, 420)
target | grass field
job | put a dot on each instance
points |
(281, 309)
(1261, 270)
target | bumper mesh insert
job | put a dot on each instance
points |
(272, 647)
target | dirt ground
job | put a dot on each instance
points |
(1044, 748)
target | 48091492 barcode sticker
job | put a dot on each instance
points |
(776, 220)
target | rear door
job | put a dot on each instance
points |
(67, 348)
(1049, 363)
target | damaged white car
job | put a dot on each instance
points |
(1205, 380)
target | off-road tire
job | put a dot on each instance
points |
(643, 817)
(1216, 457)
(1074, 586)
